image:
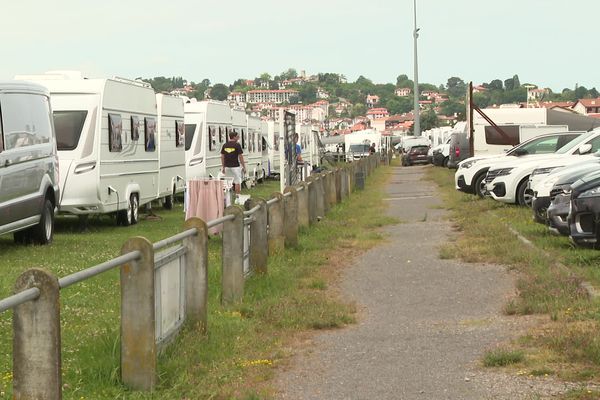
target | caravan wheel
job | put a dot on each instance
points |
(169, 201)
(135, 207)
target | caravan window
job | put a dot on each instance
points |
(212, 134)
(190, 129)
(221, 135)
(150, 136)
(264, 144)
(276, 142)
(68, 126)
(115, 128)
(135, 127)
(179, 133)
(492, 136)
(243, 139)
(25, 120)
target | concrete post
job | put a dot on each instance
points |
(232, 276)
(138, 340)
(196, 273)
(351, 178)
(275, 216)
(303, 215)
(344, 183)
(326, 177)
(290, 217)
(259, 246)
(312, 200)
(320, 193)
(338, 185)
(332, 189)
(36, 339)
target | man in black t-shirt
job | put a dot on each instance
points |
(232, 161)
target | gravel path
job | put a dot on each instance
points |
(424, 323)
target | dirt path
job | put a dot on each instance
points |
(424, 322)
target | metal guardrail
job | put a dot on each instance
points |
(19, 298)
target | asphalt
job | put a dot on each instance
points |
(424, 323)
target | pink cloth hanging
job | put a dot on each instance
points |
(206, 201)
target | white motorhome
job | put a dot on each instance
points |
(171, 148)
(521, 124)
(107, 146)
(254, 154)
(207, 125)
(264, 143)
(357, 143)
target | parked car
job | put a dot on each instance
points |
(507, 182)
(585, 211)
(459, 149)
(29, 189)
(440, 154)
(543, 186)
(415, 155)
(470, 175)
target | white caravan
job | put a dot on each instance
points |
(254, 153)
(207, 125)
(171, 148)
(273, 144)
(357, 143)
(264, 143)
(107, 147)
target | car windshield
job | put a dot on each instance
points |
(576, 142)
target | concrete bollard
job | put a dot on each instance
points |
(138, 338)
(303, 215)
(290, 217)
(320, 193)
(326, 178)
(312, 200)
(196, 273)
(332, 189)
(275, 217)
(259, 245)
(36, 339)
(338, 185)
(232, 276)
(344, 184)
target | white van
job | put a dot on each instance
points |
(107, 143)
(171, 148)
(29, 189)
(207, 126)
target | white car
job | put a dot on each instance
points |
(508, 181)
(470, 175)
(541, 184)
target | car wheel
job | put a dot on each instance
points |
(445, 162)
(523, 198)
(43, 232)
(539, 215)
(479, 185)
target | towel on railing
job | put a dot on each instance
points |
(206, 200)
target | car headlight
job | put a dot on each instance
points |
(548, 183)
(467, 164)
(502, 171)
(542, 171)
(595, 192)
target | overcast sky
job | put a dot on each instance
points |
(550, 43)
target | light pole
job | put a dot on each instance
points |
(417, 122)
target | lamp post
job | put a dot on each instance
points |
(417, 122)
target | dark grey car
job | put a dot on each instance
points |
(29, 190)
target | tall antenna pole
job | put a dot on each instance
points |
(417, 123)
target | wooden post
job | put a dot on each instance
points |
(196, 273)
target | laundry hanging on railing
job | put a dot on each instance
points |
(205, 199)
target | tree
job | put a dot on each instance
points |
(363, 81)
(358, 109)
(581, 92)
(290, 73)
(265, 77)
(219, 92)
(452, 107)
(516, 82)
(456, 87)
(593, 93)
(496, 84)
(429, 120)
(308, 94)
(509, 84)
(399, 105)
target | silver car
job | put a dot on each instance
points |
(29, 190)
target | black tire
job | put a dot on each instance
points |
(135, 208)
(125, 217)
(21, 237)
(521, 197)
(445, 162)
(169, 201)
(479, 184)
(43, 232)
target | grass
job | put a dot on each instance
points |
(237, 357)
(550, 278)
(502, 358)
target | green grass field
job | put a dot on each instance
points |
(244, 343)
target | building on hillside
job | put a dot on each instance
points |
(587, 106)
(425, 103)
(402, 92)
(322, 94)
(184, 91)
(536, 94)
(250, 82)
(237, 97)
(377, 113)
(270, 96)
(479, 89)
(372, 100)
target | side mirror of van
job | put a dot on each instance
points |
(585, 148)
